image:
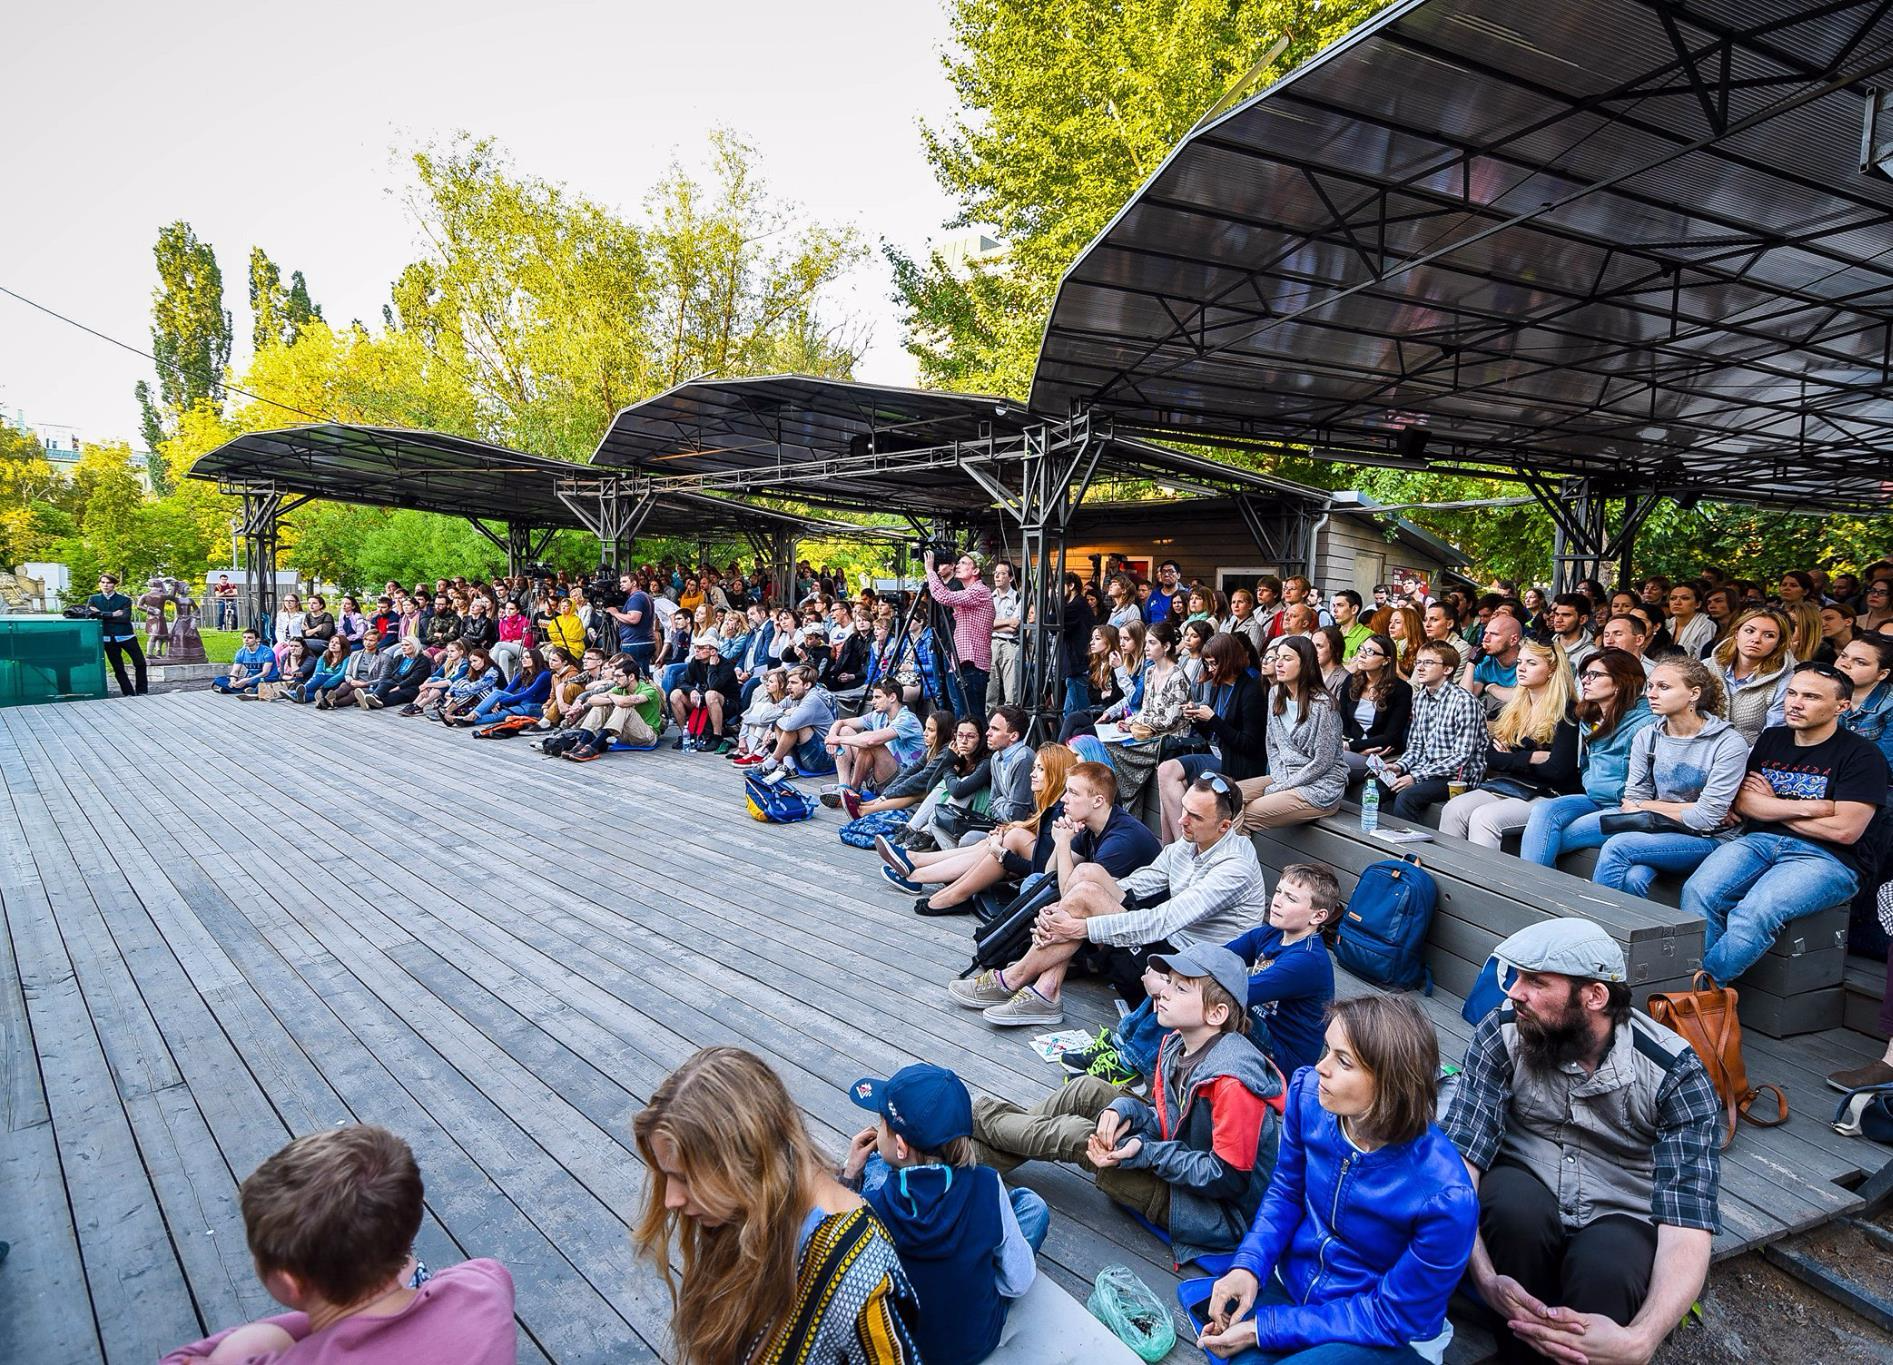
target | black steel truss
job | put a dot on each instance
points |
(1446, 226)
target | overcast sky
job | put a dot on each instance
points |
(276, 126)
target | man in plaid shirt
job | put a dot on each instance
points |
(1592, 1133)
(972, 603)
(1445, 739)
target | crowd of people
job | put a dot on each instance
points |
(1702, 731)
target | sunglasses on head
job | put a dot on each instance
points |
(1828, 671)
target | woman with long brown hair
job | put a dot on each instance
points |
(1407, 632)
(1376, 705)
(779, 1262)
(1755, 661)
(1610, 710)
(1102, 690)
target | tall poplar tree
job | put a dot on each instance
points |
(190, 337)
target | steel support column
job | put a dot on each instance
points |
(259, 524)
(1280, 531)
(782, 546)
(1584, 543)
(613, 509)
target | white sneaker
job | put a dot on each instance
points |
(982, 991)
(1026, 1007)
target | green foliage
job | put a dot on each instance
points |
(277, 314)
(1065, 108)
(190, 333)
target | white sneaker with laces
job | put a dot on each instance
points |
(1027, 1007)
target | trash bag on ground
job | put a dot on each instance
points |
(1129, 1308)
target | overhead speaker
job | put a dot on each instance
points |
(1411, 443)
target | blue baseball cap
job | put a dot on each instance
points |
(926, 1105)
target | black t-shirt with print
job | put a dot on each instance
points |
(1843, 767)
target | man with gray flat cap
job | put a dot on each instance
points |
(1591, 1132)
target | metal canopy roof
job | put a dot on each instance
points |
(1626, 238)
(844, 444)
(430, 471)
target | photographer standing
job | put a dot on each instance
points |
(113, 610)
(972, 603)
(636, 622)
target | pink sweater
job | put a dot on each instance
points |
(462, 1316)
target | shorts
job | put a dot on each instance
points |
(812, 758)
(1197, 765)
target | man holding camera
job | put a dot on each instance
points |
(972, 601)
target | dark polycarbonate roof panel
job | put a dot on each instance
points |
(1625, 238)
(839, 443)
(430, 471)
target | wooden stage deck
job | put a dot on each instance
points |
(226, 924)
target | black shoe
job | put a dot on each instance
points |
(922, 908)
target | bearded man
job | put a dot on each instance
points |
(1592, 1133)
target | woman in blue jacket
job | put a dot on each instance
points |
(1370, 1218)
(526, 697)
(1611, 710)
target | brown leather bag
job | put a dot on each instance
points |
(1705, 1017)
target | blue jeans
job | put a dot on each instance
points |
(1560, 824)
(1035, 1219)
(491, 708)
(1750, 887)
(1077, 695)
(642, 654)
(1630, 862)
(1273, 1295)
(672, 675)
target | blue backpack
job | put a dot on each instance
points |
(1383, 929)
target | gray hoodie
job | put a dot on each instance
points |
(1706, 769)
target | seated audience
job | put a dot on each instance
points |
(1804, 631)
(1531, 751)
(1445, 737)
(254, 665)
(1868, 661)
(366, 667)
(1346, 607)
(1690, 628)
(515, 637)
(1569, 620)
(1307, 776)
(781, 1261)
(569, 686)
(1405, 629)
(318, 626)
(298, 670)
(802, 732)
(1370, 1218)
(480, 677)
(1196, 1161)
(1291, 982)
(1158, 717)
(1228, 719)
(1016, 848)
(408, 669)
(331, 1221)
(526, 695)
(1207, 887)
(967, 1243)
(706, 690)
(911, 785)
(329, 671)
(961, 787)
(870, 748)
(1755, 664)
(630, 711)
(1329, 648)
(1597, 1195)
(1685, 768)
(1610, 710)
(756, 729)
(1813, 827)
(442, 628)
(1628, 632)
(1376, 706)
(1491, 674)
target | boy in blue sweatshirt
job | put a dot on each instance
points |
(1291, 981)
(968, 1244)
(255, 664)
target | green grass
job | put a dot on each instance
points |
(220, 646)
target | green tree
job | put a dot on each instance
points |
(190, 334)
(277, 313)
(1065, 109)
(27, 486)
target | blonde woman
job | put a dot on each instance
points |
(1531, 752)
(1804, 629)
(780, 1262)
(1755, 662)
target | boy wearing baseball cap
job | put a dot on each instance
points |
(968, 1246)
(1196, 1161)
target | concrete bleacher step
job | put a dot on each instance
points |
(1048, 1326)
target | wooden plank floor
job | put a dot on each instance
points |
(228, 923)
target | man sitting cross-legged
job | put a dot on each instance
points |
(1591, 1133)
(870, 748)
(802, 732)
(1206, 887)
(630, 711)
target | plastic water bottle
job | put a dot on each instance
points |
(1370, 806)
